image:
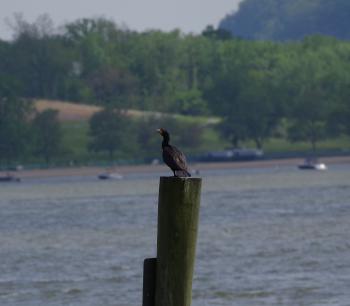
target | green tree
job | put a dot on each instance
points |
(219, 34)
(243, 91)
(338, 120)
(39, 59)
(14, 129)
(110, 132)
(48, 135)
(113, 87)
(308, 115)
(308, 122)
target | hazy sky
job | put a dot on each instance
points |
(187, 15)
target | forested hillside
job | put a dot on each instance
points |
(260, 90)
(289, 19)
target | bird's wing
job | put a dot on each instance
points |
(175, 158)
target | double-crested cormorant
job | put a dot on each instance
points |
(172, 156)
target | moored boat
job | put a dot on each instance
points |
(109, 176)
(9, 178)
(312, 164)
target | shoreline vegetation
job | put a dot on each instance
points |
(75, 117)
(212, 91)
(139, 169)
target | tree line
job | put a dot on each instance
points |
(260, 89)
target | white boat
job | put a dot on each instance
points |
(312, 163)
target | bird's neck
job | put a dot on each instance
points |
(165, 142)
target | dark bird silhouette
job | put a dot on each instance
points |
(172, 156)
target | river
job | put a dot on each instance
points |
(275, 236)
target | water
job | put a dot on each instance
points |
(266, 237)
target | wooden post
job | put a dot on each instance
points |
(149, 281)
(178, 209)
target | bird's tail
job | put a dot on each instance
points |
(188, 174)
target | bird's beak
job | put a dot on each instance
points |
(159, 131)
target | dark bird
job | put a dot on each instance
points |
(172, 156)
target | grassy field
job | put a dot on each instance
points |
(68, 111)
(75, 117)
(281, 145)
(82, 112)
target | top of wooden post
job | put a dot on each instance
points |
(175, 178)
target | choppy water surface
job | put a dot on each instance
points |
(266, 237)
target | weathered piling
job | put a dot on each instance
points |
(149, 281)
(178, 210)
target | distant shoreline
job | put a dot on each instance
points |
(134, 169)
